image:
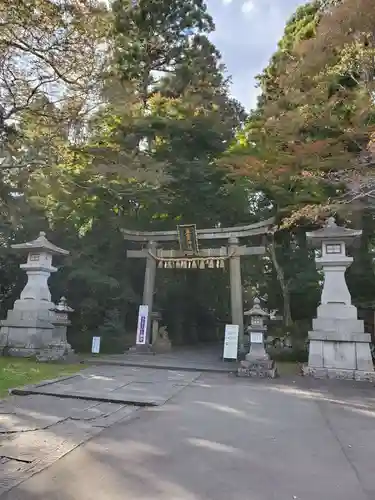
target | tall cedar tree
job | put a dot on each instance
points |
(182, 117)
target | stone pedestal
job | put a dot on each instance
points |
(338, 346)
(141, 349)
(260, 368)
(28, 328)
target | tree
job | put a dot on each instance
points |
(48, 47)
(145, 161)
(331, 92)
(326, 5)
(319, 125)
(308, 146)
(151, 38)
(301, 26)
(266, 151)
(266, 156)
(181, 117)
(51, 53)
(196, 120)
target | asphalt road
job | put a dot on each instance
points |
(226, 439)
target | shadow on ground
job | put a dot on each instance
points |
(221, 438)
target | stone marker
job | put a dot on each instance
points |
(162, 343)
(338, 346)
(29, 327)
(155, 321)
(257, 362)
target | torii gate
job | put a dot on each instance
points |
(191, 257)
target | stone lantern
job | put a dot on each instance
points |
(338, 346)
(28, 327)
(257, 362)
(59, 348)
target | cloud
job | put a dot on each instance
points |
(227, 2)
(247, 7)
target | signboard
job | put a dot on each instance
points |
(231, 341)
(95, 347)
(187, 236)
(256, 338)
(141, 338)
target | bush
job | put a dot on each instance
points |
(289, 355)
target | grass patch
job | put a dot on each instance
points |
(288, 369)
(16, 372)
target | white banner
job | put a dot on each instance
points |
(231, 341)
(142, 325)
(95, 346)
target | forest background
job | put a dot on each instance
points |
(121, 116)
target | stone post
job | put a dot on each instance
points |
(149, 286)
(28, 328)
(338, 346)
(236, 290)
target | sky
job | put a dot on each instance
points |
(247, 32)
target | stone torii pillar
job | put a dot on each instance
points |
(28, 328)
(236, 300)
(149, 285)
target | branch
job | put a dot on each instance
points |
(18, 108)
(26, 48)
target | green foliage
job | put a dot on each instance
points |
(114, 337)
(156, 153)
(311, 123)
(290, 356)
(154, 37)
(104, 180)
(301, 26)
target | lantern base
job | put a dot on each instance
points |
(53, 352)
(340, 351)
(57, 352)
(261, 368)
(24, 336)
(339, 374)
(31, 333)
(140, 349)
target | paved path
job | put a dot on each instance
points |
(203, 359)
(54, 418)
(127, 385)
(221, 438)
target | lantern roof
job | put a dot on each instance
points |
(62, 306)
(256, 310)
(40, 244)
(333, 232)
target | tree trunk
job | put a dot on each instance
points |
(287, 313)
